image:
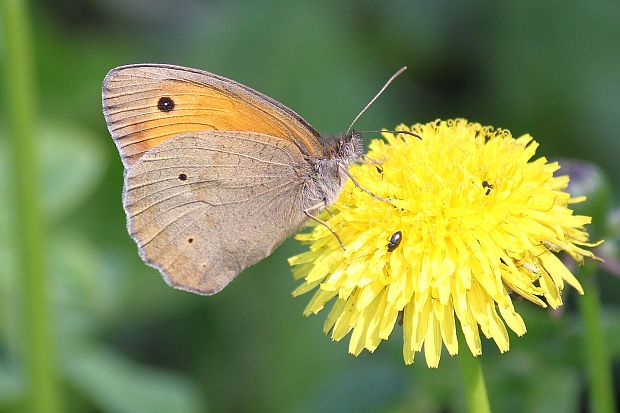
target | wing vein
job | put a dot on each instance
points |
(170, 223)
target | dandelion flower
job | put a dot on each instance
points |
(473, 220)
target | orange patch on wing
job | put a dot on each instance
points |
(138, 125)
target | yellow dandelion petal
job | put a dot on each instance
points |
(481, 219)
(408, 329)
(424, 318)
(432, 344)
(448, 328)
(513, 319)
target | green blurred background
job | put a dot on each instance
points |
(125, 342)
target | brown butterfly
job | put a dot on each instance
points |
(217, 175)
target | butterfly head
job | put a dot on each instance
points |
(347, 148)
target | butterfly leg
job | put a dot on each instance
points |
(369, 161)
(357, 184)
(329, 211)
(316, 207)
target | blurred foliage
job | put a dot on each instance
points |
(128, 343)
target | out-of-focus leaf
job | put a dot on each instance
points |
(5, 195)
(612, 333)
(11, 385)
(79, 274)
(545, 384)
(83, 291)
(8, 319)
(368, 387)
(72, 163)
(553, 390)
(116, 384)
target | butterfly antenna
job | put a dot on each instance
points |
(396, 132)
(390, 80)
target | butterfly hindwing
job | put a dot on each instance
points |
(201, 211)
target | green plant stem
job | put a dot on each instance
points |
(37, 350)
(473, 381)
(596, 356)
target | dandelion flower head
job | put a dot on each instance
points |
(480, 220)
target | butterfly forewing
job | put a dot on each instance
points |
(202, 211)
(145, 105)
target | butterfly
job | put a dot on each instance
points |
(217, 175)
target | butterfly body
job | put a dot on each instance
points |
(217, 175)
(327, 177)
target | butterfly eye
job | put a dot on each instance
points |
(165, 104)
(182, 177)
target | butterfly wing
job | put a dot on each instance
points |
(202, 211)
(193, 100)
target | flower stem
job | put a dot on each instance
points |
(37, 352)
(596, 356)
(473, 381)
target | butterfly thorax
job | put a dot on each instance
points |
(328, 173)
